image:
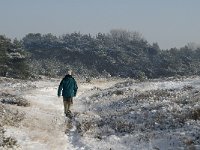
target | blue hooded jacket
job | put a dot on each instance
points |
(68, 87)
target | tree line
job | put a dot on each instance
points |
(117, 53)
(13, 59)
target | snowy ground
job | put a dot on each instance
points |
(114, 114)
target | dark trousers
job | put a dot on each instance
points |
(67, 104)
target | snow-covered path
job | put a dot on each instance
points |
(44, 126)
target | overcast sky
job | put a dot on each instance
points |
(170, 23)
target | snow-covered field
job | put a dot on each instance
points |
(109, 114)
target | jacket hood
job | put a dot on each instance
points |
(68, 76)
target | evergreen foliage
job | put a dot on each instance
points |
(12, 59)
(118, 53)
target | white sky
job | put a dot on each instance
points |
(170, 23)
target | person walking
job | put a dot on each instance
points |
(69, 88)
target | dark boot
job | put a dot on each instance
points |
(68, 114)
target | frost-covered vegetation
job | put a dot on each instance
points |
(165, 117)
(13, 59)
(144, 113)
(109, 113)
(10, 101)
(117, 53)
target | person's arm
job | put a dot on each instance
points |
(75, 87)
(60, 88)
